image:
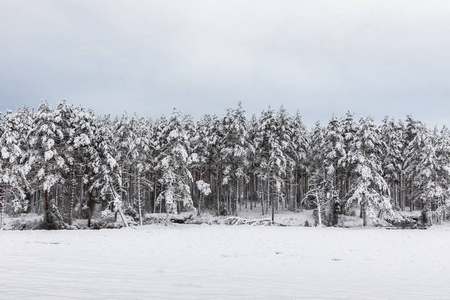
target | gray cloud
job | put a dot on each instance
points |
(319, 57)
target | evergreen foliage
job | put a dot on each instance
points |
(67, 163)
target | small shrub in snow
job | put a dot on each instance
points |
(131, 211)
(24, 224)
(53, 219)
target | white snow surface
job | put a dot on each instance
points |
(226, 262)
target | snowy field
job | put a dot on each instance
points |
(226, 262)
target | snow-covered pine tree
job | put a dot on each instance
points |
(234, 152)
(157, 142)
(201, 144)
(189, 128)
(133, 148)
(124, 136)
(47, 161)
(285, 131)
(369, 189)
(349, 131)
(315, 158)
(432, 174)
(12, 180)
(335, 162)
(442, 150)
(216, 166)
(414, 141)
(392, 159)
(428, 190)
(320, 191)
(145, 163)
(300, 146)
(255, 192)
(107, 177)
(173, 164)
(23, 120)
(77, 129)
(273, 162)
(85, 161)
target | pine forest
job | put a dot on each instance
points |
(66, 163)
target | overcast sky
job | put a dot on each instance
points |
(373, 58)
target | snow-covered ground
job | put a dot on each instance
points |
(226, 262)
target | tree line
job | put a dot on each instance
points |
(66, 163)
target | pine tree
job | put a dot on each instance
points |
(201, 143)
(217, 164)
(286, 131)
(46, 159)
(369, 189)
(107, 180)
(428, 191)
(442, 150)
(392, 159)
(432, 180)
(318, 185)
(272, 161)
(349, 132)
(77, 129)
(173, 164)
(335, 161)
(143, 161)
(415, 136)
(234, 152)
(12, 180)
(299, 150)
(255, 191)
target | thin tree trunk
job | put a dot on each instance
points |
(200, 198)
(294, 196)
(236, 199)
(154, 194)
(364, 214)
(218, 201)
(46, 203)
(273, 200)
(219, 190)
(2, 203)
(268, 196)
(139, 196)
(72, 195)
(262, 196)
(200, 193)
(123, 217)
(319, 209)
(228, 196)
(91, 207)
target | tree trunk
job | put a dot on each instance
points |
(46, 202)
(200, 199)
(72, 196)
(2, 212)
(319, 209)
(236, 199)
(364, 214)
(262, 197)
(91, 207)
(123, 217)
(139, 196)
(273, 200)
(268, 196)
